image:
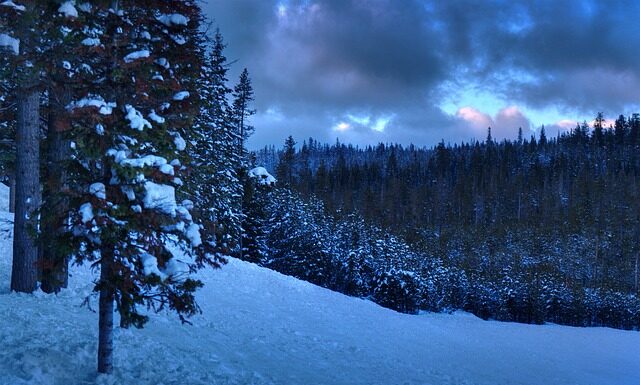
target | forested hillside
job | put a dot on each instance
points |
(532, 230)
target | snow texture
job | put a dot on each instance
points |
(91, 42)
(262, 175)
(156, 118)
(86, 211)
(182, 95)
(173, 19)
(137, 55)
(160, 197)
(13, 5)
(179, 142)
(260, 327)
(98, 190)
(68, 9)
(136, 120)
(104, 107)
(10, 42)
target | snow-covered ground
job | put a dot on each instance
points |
(260, 327)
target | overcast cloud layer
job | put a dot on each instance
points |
(366, 71)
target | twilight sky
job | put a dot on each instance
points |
(419, 71)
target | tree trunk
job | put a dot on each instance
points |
(24, 273)
(12, 193)
(105, 321)
(55, 264)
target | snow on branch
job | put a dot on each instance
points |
(13, 5)
(10, 42)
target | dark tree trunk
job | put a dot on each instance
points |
(12, 193)
(54, 262)
(105, 322)
(24, 273)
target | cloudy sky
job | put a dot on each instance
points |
(419, 71)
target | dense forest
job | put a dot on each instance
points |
(531, 230)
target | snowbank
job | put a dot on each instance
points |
(260, 327)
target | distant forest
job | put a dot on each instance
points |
(529, 230)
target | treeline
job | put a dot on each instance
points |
(295, 236)
(558, 214)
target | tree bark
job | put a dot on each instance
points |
(12, 193)
(55, 264)
(24, 273)
(105, 321)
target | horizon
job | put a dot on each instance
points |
(420, 72)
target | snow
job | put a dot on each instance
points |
(137, 55)
(10, 42)
(90, 41)
(150, 265)
(86, 211)
(182, 95)
(68, 9)
(160, 197)
(156, 118)
(147, 160)
(136, 120)
(99, 190)
(163, 62)
(179, 142)
(260, 327)
(167, 169)
(263, 176)
(193, 234)
(93, 101)
(13, 5)
(173, 19)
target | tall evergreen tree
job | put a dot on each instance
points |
(243, 96)
(215, 180)
(131, 110)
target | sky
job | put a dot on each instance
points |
(420, 71)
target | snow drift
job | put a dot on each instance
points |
(260, 327)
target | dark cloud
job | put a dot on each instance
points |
(319, 63)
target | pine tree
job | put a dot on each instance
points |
(216, 187)
(131, 110)
(243, 96)
(22, 20)
(285, 169)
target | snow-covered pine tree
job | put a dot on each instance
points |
(132, 108)
(258, 188)
(214, 184)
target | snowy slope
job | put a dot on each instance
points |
(260, 327)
